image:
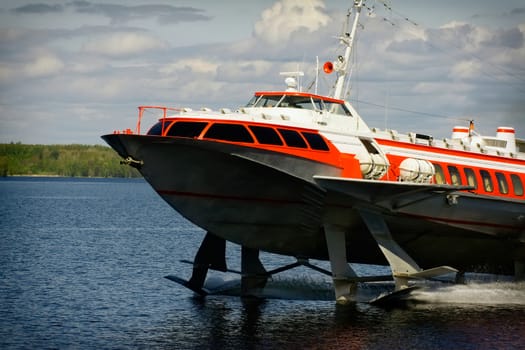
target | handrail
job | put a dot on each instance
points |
(165, 114)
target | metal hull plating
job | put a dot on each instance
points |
(271, 201)
(227, 190)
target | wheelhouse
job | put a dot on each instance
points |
(298, 100)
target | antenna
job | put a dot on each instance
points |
(347, 39)
(316, 72)
(340, 65)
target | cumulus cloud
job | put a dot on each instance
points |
(98, 87)
(123, 44)
(44, 65)
(5, 73)
(466, 69)
(285, 17)
(195, 65)
(512, 38)
(244, 70)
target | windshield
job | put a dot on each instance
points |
(300, 102)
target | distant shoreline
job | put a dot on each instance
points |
(86, 161)
(63, 176)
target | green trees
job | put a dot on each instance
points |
(62, 160)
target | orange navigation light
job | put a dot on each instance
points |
(328, 67)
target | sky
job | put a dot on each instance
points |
(73, 70)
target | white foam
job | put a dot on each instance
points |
(494, 293)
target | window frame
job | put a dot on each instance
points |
(503, 184)
(159, 127)
(230, 137)
(315, 141)
(470, 174)
(487, 181)
(261, 133)
(517, 185)
(286, 134)
(196, 126)
(455, 176)
(439, 174)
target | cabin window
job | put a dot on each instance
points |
(229, 132)
(252, 101)
(301, 102)
(186, 129)
(337, 108)
(265, 101)
(297, 102)
(455, 178)
(292, 138)
(471, 177)
(502, 183)
(517, 185)
(487, 180)
(370, 148)
(156, 130)
(315, 141)
(267, 136)
(439, 175)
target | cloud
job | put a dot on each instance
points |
(512, 38)
(285, 17)
(99, 87)
(235, 71)
(6, 73)
(46, 64)
(452, 71)
(38, 9)
(165, 14)
(195, 65)
(466, 69)
(123, 44)
(520, 11)
(120, 14)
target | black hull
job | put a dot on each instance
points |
(271, 202)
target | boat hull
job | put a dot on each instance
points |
(270, 201)
(235, 192)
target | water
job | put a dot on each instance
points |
(82, 265)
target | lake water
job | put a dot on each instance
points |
(82, 263)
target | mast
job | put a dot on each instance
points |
(341, 64)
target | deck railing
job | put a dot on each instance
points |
(164, 115)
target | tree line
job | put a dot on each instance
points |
(62, 160)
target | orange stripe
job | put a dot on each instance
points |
(509, 130)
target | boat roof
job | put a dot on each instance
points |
(298, 94)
